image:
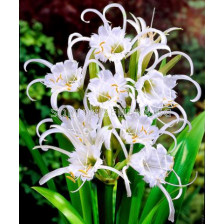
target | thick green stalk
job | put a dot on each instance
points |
(85, 198)
(108, 203)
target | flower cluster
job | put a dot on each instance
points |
(121, 110)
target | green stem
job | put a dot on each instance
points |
(85, 201)
(108, 204)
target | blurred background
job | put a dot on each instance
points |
(44, 30)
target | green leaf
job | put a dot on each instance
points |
(166, 68)
(24, 134)
(188, 144)
(162, 63)
(93, 68)
(133, 64)
(64, 143)
(61, 204)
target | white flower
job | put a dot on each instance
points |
(107, 90)
(138, 129)
(110, 44)
(83, 132)
(154, 165)
(65, 76)
(156, 91)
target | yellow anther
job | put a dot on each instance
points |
(145, 131)
(102, 49)
(114, 85)
(72, 174)
(122, 91)
(80, 139)
(52, 80)
(72, 179)
(134, 141)
(151, 132)
(135, 136)
(83, 123)
(69, 85)
(83, 171)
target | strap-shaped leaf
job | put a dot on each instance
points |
(61, 204)
(167, 67)
(188, 144)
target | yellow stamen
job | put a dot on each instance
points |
(70, 178)
(114, 85)
(69, 85)
(72, 174)
(151, 132)
(83, 123)
(83, 171)
(52, 80)
(122, 91)
(80, 139)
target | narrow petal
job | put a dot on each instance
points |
(42, 61)
(53, 174)
(46, 147)
(184, 77)
(170, 202)
(122, 11)
(42, 122)
(30, 84)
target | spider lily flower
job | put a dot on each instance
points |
(154, 164)
(136, 128)
(156, 91)
(65, 76)
(82, 130)
(108, 91)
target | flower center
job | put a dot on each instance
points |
(148, 87)
(104, 97)
(117, 48)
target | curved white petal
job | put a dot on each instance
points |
(42, 122)
(175, 53)
(170, 202)
(54, 96)
(172, 29)
(121, 142)
(73, 35)
(148, 30)
(46, 147)
(42, 61)
(184, 77)
(122, 11)
(79, 187)
(145, 52)
(126, 181)
(30, 84)
(46, 133)
(53, 174)
(96, 12)
(111, 169)
(69, 49)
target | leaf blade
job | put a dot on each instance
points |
(61, 204)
